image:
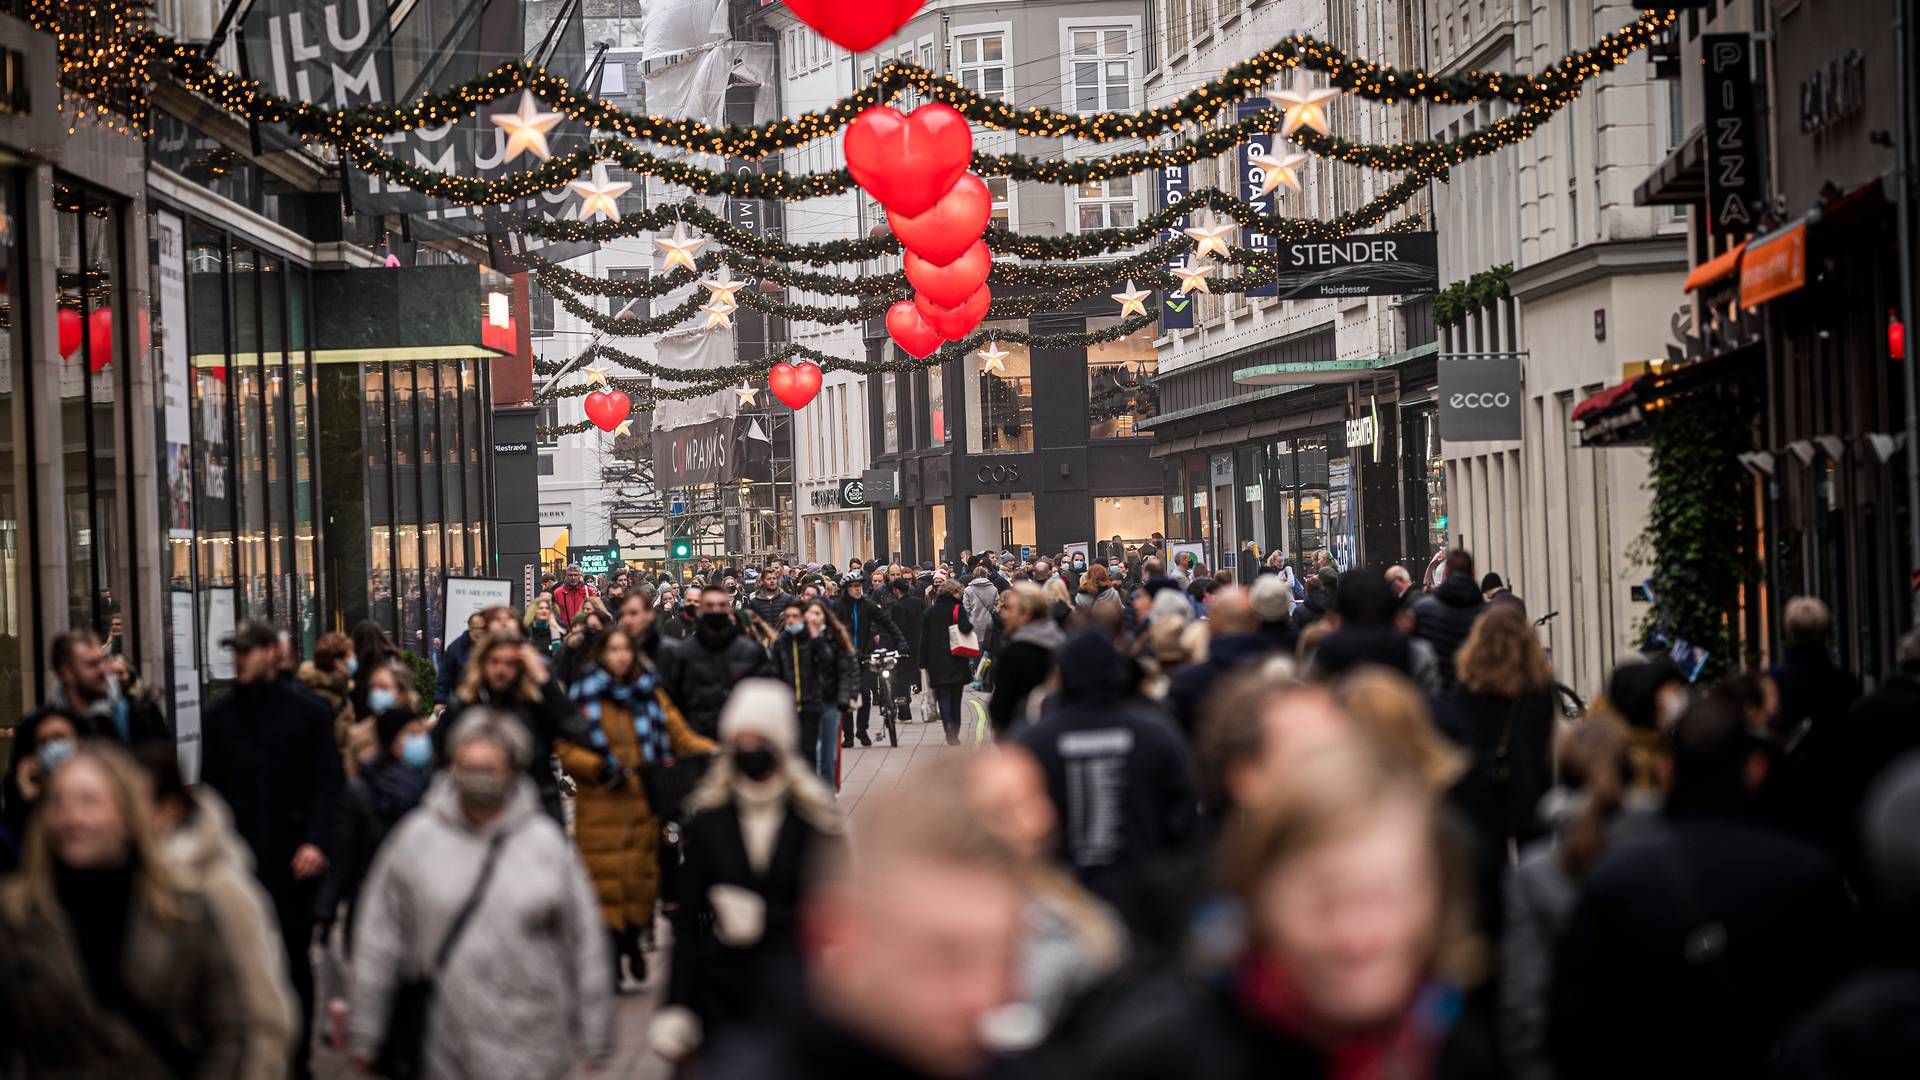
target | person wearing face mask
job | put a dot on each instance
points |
(109, 966)
(759, 821)
(329, 677)
(85, 686)
(814, 657)
(869, 627)
(631, 725)
(502, 678)
(388, 787)
(40, 744)
(701, 671)
(519, 986)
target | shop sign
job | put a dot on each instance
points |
(1480, 397)
(1251, 178)
(695, 454)
(1733, 162)
(1774, 266)
(512, 448)
(1383, 264)
(1360, 432)
(1176, 308)
(997, 474)
(851, 494)
(824, 498)
(1833, 94)
(601, 559)
(876, 485)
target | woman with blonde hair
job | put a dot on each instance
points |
(108, 966)
(501, 676)
(537, 620)
(1059, 599)
(1358, 953)
(1388, 710)
(1502, 713)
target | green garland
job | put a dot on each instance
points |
(1365, 78)
(1483, 290)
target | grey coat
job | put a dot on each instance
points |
(525, 993)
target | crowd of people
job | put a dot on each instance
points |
(1261, 821)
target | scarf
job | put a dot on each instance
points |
(1403, 1050)
(649, 720)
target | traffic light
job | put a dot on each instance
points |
(681, 548)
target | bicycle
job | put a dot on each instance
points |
(882, 663)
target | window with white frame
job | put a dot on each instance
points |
(1104, 204)
(1176, 35)
(980, 63)
(1101, 63)
(1001, 190)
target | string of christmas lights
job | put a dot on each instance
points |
(1355, 75)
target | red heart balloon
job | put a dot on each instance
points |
(955, 283)
(954, 323)
(100, 339)
(70, 323)
(606, 408)
(945, 232)
(909, 162)
(910, 331)
(795, 384)
(855, 27)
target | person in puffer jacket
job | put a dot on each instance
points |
(1445, 618)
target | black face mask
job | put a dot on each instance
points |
(716, 623)
(754, 764)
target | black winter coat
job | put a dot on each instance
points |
(816, 669)
(1864, 1031)
(942, 667)
(370, 807)
(870, 626)
(699, 674)
(908, 613)
(1444, 618)
(268, 749)
(1703, 939)
(1824, 780)
(768, 608)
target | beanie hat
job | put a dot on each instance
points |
(1271, 599)
(387, 725)
(762, 707)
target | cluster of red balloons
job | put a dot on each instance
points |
(98, 328)
(916, 166)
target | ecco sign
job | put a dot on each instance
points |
(1480, 397)
(998, 474)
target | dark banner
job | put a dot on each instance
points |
(1176, 308)
(1479, 397)
(696, 454)
(1251, 177)
(1733, 147)
(1382, 264)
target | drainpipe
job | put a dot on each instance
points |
(1903, 168)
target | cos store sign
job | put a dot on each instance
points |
(997, 474)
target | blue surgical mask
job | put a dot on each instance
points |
(796, 627)
(54, 753)
(380, 699)
(417, 750)
(1078, 565)
(353, 665)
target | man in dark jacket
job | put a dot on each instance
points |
(1117, 771)
(1234, 639)
(1704, 938)
(86, 687)
(268, 749)
(1026, 657)
(909, 610)
(699, 672)
(1367, 634)
(870, 627)
(1444, 618)
(453, 658)
(1814, 691)
(768, 599)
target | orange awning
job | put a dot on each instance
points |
(1775, 266)
(1718, 268)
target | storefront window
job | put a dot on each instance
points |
(15, 620)
(1133, 519)
(937, 406)
(1313, 478)
(248, 417)
(938, 519)
(453, 451)
(305, 544)
(1426, 484)
(1000, 401)
(406, 457)
(432, 513)
(380, 585)
(1120, 390)
(278, 507)
(91, 286)
(1002, 522)
(889, 414)
(1226, 544)
(470, 407)
(210, 346)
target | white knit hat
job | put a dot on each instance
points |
(762, 707)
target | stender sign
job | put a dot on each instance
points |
(1383, 264)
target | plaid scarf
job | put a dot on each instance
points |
(649, 721)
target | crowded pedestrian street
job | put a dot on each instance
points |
(959, 540)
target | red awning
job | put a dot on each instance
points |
(1718, 268)
(1603, 400)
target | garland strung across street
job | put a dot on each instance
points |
(1355, 75)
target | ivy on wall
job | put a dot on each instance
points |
(1697, 483)
(1453, 304)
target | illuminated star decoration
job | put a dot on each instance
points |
(749, 395)
(598, 196)
(527, 128)
(679, 247)
(1133, 301)
(718, 315)
(1212, 238)
(1305, 106)
(1193, 276)
(722, 291)
(1278, 170)
(595, 374)
(625, 427)
(993, 357)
